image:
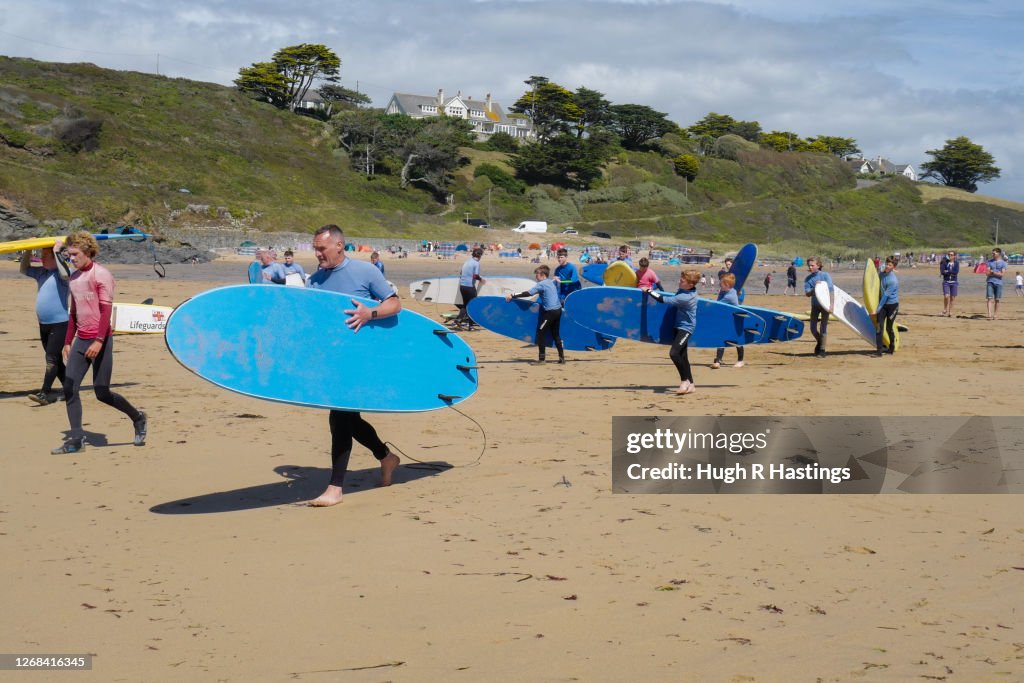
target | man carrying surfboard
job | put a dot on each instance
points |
(819, 315)
(550, 317)
(89, 341)
(51, 312)
(337, 273)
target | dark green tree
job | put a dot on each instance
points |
(432, 154)
(960, 163)
(838, 146)
(783, 141)
(564, 160)
(503, 142)
(285, 80)
(550, 107)
(637, 124)
(594, 110)
(344, 97)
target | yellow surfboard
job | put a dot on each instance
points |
(619, 274)
(872, 292)
(29, 243)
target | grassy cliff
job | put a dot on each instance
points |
(110, 147)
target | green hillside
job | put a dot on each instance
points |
(110, 147)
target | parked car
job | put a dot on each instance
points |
(598, 233)
(570, 231)
(531, 226)
(478, 222)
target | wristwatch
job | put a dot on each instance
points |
(373, 314)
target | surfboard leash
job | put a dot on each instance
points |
(438, 467)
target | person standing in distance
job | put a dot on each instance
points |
(271, 270)
(89, 342)
(566, 275)
(290, 266)
(949, 269)
(995, 267)
(51, 312)
(791, 277)
(467, 286)
(337, 273)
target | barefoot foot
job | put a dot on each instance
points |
(387, 467)
(330, 496)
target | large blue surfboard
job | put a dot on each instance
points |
(517, 319)
(632, 314)
(779, 326)
(594, 273)
(291, 345)
(743, 264)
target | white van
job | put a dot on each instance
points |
(531, 226)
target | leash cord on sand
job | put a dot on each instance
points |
(438, 466)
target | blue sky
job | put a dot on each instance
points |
(899, 77)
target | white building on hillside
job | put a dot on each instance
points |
(487, 116)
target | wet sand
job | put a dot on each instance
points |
(192, 558)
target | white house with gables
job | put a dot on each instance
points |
(881, 166)
(487, 116)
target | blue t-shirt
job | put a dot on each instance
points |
(379, 265)
(890, 290)
(548, 290)
(470, 273)
(568, 279)
(357, 278)
(729, 296)
(275, 270)
(294, 268)
(628, 260)
(685, 302)
(997, 265)
(52, 295)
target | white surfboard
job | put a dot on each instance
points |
(294, 280)
(445, 290)
(139, 319)
(847, 309)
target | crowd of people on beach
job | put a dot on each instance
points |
(75, 296)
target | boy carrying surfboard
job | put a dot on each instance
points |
(685, 301)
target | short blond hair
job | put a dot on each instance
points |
(728, 280)
(84, 242)
(691, 276)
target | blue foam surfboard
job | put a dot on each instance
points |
(291, 345)
(594, 273)
(632, 314)
(779, 326)
(742, 264)
(255, 272)
(517, 319)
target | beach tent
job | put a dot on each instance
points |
(462, 247)
(558, 245)
(798, 261)
(534, 245)
(350, 247)
(364, 247)
(247, 243)
(981, 269)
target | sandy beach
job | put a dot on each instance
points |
(193, 558)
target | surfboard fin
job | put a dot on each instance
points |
(741, 315)
(447, 398)
(780, 317)
(467, 368)
(731, 343)
(442, 333)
